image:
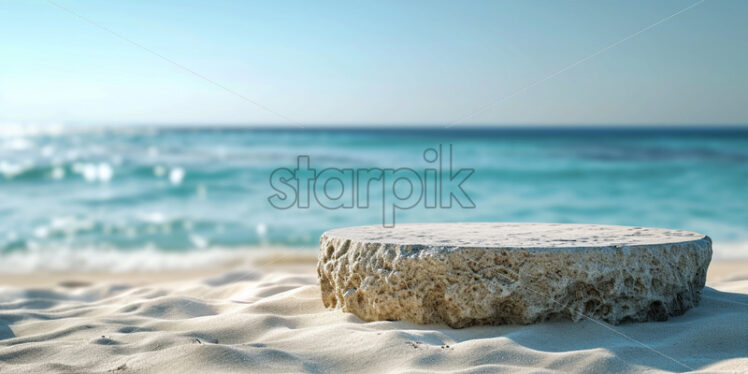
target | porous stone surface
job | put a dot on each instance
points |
(468, 274)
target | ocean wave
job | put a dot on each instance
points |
(93, 259)
(130, 188)
(730, 250)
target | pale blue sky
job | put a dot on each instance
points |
(389, 62)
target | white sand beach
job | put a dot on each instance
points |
(266, 315)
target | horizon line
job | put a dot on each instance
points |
(364, 125)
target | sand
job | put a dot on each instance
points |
(266, 315)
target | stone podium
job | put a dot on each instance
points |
(465, 274)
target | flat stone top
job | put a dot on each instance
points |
(537, 236)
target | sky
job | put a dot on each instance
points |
(375, 62)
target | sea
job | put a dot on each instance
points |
(122, 198)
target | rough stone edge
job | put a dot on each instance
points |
(367, 280)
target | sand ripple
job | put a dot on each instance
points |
(273, 321)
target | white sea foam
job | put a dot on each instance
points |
(104, 172)
(176, 176)
(63, 259)
(11, 170)
(57, 173)
(159, 171)
(18, 129)
(730, 250)
(146, 259)
(155, 217)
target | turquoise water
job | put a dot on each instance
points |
(174, 190)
